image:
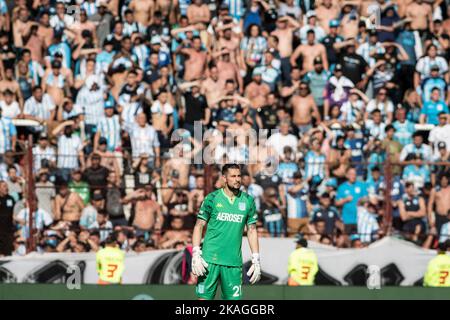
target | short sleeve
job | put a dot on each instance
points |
(206, 208)
(252, 216)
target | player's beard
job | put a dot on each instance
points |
(233, 189)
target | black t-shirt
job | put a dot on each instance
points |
(113, 202)
(266, 181)
(151, 75)
(195, 108)
(7, 49)
(328, 42)
(330, 215)
(353, 67)
(96, 178)
(268, 117)
(6, 215)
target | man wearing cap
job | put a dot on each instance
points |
(431, 109)
(55, 83)
(440, 133)
(309, 50)
(317, 80)
(438, 269)
(59, 46)
(89, 213)
(43, 152)
(109, 128)
(257, 91)
(328, 212)
(337, 89)
(435, 80)
(333, 43)
(302, 265)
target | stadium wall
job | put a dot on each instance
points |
(179, 292)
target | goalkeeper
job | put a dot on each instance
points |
(225, 212)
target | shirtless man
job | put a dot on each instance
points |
(21, 27)
(231, 43)
(180, 162)
(439, 200)
(68, 205)
(229, 70)
(175, 234)
(35, 44)
(196, 195)
(168, 9)
(309, 52)
(83, 24)
(286, 26)
(55, 84)
(10, 83)
(421, 14)
(45, 31)
(349, 23)
(196, 64)
(198, 12)
(304, 109)
(147, 212)
(162, 111)
(257, 91)
(143, 11)
(212, 88)
(327, 12)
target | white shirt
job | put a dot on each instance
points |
(40, 109)
(143, 140)
(438, 134)
(68, 149)
(93, 104)
(165, 108)
(384, 107)
(10, 111)
(41, 154)
(278, 141)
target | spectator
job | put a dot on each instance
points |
(43, 153)
(45, 192)
(416, 172)
(348, 195)
(95, 175)
(412, 210)
(68, 205)
(417, 147)
(404, 128)
(329, 213)
(272, 213)
(90, 212)
(6, 216)
(144, 139)
(79, 186)
(367, 222)
(298, 205)
(432, 108)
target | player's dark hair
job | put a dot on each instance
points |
(303, 243)
(111, 240)
(228, 166)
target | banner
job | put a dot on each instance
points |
(398, 263)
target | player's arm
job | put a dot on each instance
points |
(198, 232)
(255, 270)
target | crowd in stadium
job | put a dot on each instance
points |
(358, 91)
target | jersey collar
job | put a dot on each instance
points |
(230, 200)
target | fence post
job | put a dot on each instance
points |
(387, 195)
(31, 195)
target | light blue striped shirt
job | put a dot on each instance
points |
(314, 165)
(109, 128)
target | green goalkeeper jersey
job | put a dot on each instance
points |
(226, 220)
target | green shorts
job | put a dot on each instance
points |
(230, 282)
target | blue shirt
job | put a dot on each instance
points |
(286, 172)
(429, 83)
(403, 132)
(349, 210)
(65, 50)
(407, 40)
(431, 110)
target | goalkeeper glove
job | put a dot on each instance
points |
(255, 270)
(198, 264)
